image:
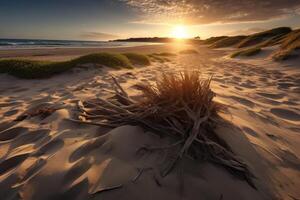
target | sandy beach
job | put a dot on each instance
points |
(62, 53)
(53, 158)
(150, 100)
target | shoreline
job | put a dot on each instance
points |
(263, 113)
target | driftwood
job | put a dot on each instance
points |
(179, 106)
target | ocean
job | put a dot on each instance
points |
(28, 43)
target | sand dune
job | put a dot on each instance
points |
(53, 158)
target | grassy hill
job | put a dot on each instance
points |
(286, 40)
(213, 40)
(260, 37)
(41, 69)
(290, 46)
(228, 41)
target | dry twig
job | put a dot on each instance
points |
(180, 106)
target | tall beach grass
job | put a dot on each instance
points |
(31, 69)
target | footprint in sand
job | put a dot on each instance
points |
(238, 88)
(7, 192)
(6, 125)
(272, 136)
(10, 113)
(263, 79)
(271, 95)
(289, 159)
(267, 100)
(295, 129)
(249, 131)
(11, 163)
(263, 117)
(247, 85)
(30, 137)
(49, 148)
(290, 102)
(77, 170)
(12, 133)
(41, 101)
(285, 85)
(87, 148)
(237, 78)
(77, 191)
(243, 101)
(31, 171)
(223, 86)
(6, 104)
(286, 114)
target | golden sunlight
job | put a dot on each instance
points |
(180, 32)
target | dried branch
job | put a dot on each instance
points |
(181, 107)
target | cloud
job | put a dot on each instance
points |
(97, 35)
(212, 11)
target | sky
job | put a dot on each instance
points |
(111, 19)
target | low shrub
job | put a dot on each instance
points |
(138, 59)
(260, 37)
(247, 52)
(106, 59)
(228, 41)
(31, 69)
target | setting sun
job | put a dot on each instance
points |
(179, 32)
(149, 99)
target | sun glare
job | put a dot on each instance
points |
(180, 32)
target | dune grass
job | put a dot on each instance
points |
(289, 47)
(158, 57)
(291, 39)
(247, 52)
(180, 106)
(257, 38)
(106, 59)
(289, 42)
(212, 40)
(228, 41)
(284, 54)
(276, 40)
(31, 69)
(138, 59)
(188, 51)
(165, 54)
(256, 49)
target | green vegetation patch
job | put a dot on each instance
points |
(291, 39)
(106, 59)
(289, 47)
(212, 40)
(257, 38)
(138, 59)
(31, 69)
(247, 52)
(228, 41)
